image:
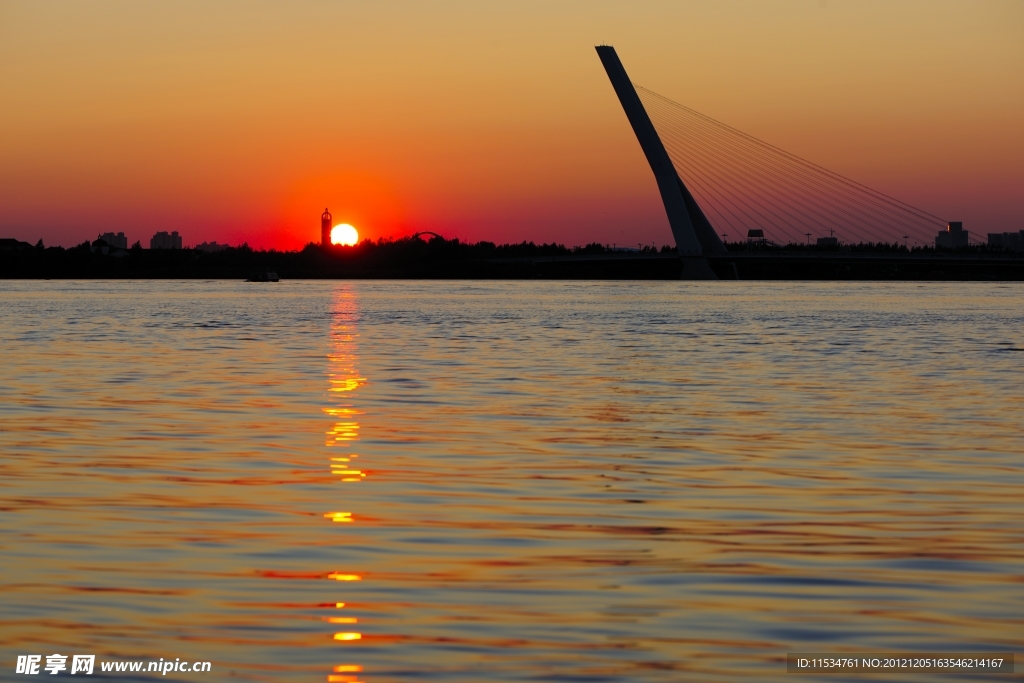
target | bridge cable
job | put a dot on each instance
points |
(772, 178)
(733, 174)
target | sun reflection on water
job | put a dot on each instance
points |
(343, 380)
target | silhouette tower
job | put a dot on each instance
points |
(325, 229)
(694, 235)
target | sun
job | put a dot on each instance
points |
(344, 234)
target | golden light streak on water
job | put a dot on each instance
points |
(343, 377)
(344, 673)
(339, 516)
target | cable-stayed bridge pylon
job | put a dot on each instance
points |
(694, 234)
(738, 183)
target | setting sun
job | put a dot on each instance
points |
(344, 234)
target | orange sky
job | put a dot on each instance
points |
(239, 121)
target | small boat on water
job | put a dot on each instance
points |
(267, 276)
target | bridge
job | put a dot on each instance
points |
(716, 180)
(417, 235)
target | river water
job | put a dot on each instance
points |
(509, 481)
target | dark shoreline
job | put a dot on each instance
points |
(450, 259)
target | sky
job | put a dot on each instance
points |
(240, 121)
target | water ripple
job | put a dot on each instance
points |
(509, 481)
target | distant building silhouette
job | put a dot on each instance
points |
(755, 236)
(211, 247)
(101, 246)
(325, 228)
(1009, 240)
(162, 240)
(828, 241)
(119, 240)
(952, 237)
